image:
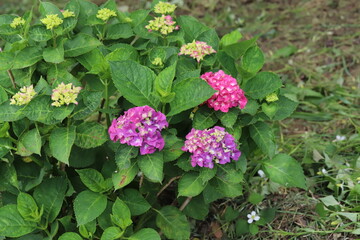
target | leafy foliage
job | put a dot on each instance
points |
(57, 162)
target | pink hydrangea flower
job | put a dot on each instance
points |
(210, 146)
(197, 50)
(228, 93)
(140, 127)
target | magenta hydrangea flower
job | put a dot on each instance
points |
(228, 93)
(210, 146)
(140, 127)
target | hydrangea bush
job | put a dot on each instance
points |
(119, 125)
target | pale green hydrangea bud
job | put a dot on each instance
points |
(271, 97)
(65, 94)
(197, 50)
(163, 24)
(19, 21)
(164, 8)
(51, 21)
(24, 96)
(66, 13)
(157, 62)
(105, 13)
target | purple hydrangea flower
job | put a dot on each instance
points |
(210, 146)
(140, 127)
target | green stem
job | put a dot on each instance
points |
(54, 38)
(106, 105)
(134, 40)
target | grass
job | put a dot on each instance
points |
(314, 46)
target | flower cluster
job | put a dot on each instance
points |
(163, 24)
(228, 93)
(273, 97)
(64, 94)
(24, 96)
(105, 13)
(66, 13)
(164, 8)
(157, 61)
(140, 127)
(211, 146)
(197, 50)
(19, 21)
(51, 21)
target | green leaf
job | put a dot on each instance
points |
(95, 62)
(255, 198)
(191, 26)
(253, 60)
(27, 207)
(47, 8)
(121, 52)
(189, 93)
(135, 82)
(135, 201)
(241, 227)
(6, 59)
(61, 141)
(54, 54)
(173, 223)
(121, 215)
(204, 118)
(145, 234)
(10, 113)
(124, 154)
(27, 57)
(70, 236)
(329, 201)
(210, 37)
(237, 50)
(262, 85)
(269, 109)
(88, 206)
(231, 214)
(111, 233)
(230, 38)
(228, 119)
(163, 82)
(39, 33)
(285, 107)
(12, 224)
(229, 173)
(286, 171)
(124, 176)
(80, 44)
(50, 195)
(92, 179)
(227, 189)
(32, 141)
(253, 229)
(197, 208)
(119, 30)
(5, 146)
(261, 133)
(90, 135)
(152, 166)
(190, 185)
(173, 145)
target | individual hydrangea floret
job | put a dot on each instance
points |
(51, 21)
(211, 146)
(140, 127)
(64, 94)
(163, 24)
(157, 61)
(66, 13)
(164, 8)
(273, 97)
(105, 13)
(228, 93)
(197, 50)
(24, 96)
(19, 21)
